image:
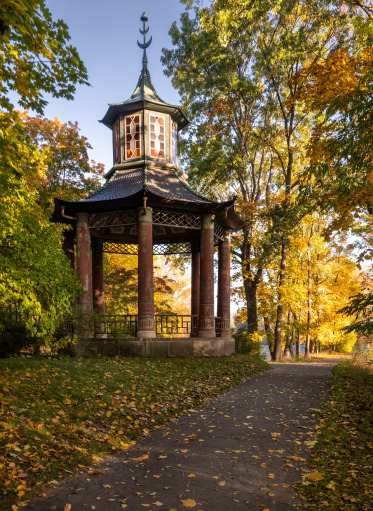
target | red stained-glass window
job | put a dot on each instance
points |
(133, 139)
(157, 136)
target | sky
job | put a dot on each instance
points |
(105, 33)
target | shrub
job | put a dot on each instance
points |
(247, 343)
(14, 337)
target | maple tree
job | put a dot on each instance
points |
(35, 57)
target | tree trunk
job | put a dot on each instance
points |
(288, 350)
(280, 307)
(251, 304)
(269, 335)
(309, 303)
(251, 281)
(297, 345)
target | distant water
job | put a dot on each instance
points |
(266, 354)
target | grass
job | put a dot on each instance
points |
(342, 464)
(58, 416)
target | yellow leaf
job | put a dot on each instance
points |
(145, 505)
(157, 503)
(189, 503)
(191, 475)
(124, 506)
(315, 476)
(14, 508)
(67, 507)
(222, 483)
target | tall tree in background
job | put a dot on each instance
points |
(340, 177)
(235, 65)
(69, 173)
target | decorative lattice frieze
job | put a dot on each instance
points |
(120, 248)
(218, 232)
(117, 218)
(172, 248)
(176, 220)
(158, 249)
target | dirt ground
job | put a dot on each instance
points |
(243, 451)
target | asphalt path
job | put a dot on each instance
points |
(242, 451)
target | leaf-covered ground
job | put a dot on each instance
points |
(60, 415)
(342, 476)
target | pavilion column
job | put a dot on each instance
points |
(145, 325)
(83, 261)
(224, 284)
(196, 265)
(98, 276)
(206, 327)
(68, 248)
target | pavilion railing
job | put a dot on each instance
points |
(175, 325)
(125, 326)
(115, 326)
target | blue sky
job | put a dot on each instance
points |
(105, 33)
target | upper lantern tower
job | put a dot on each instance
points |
(145, 128)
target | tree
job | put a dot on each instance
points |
(171, 286)
(36, 280)
(69, 173)
(234, 64)
(339, 178)
(35, 58)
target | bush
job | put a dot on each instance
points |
(248, 344)
(14, 337)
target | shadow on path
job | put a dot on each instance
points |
(243, 451)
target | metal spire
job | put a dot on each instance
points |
(145, 44)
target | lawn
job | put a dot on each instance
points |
(342, 464)
(58, 416)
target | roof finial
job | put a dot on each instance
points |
(145, 44)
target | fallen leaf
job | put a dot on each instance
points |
(191, 475)
(189, 503)
(141, 458)
(331, 485)
(158, 503)
(222, 483)
(314, 476)
(67, 507)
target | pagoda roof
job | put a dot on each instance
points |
(162, 188)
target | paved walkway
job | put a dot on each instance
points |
(242, 452)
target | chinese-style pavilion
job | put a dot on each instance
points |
(146, 207)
